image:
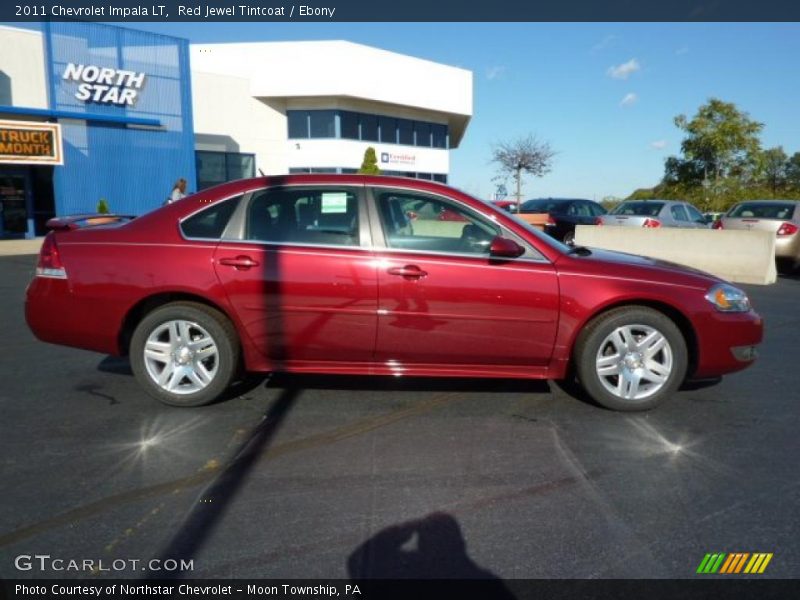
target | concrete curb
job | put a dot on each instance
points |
(19, 247)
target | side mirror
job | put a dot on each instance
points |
(505, 248)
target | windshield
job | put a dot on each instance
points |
(763, 210)
(638, 209)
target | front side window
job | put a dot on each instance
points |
(318, 216)
(417, 222)
(694, 214)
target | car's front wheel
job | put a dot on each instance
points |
(569, 238)
(184, 354)
(631, 358)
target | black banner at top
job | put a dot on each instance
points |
(400, 10)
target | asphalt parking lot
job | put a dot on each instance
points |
(334, 477)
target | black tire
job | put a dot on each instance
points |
(594, 339)
(569, 238)
(203, 323)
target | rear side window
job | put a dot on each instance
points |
(679, 213)
(763, 210)
(319, 216)
(638, 209)
(209, 224)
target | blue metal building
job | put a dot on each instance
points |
(123, 101)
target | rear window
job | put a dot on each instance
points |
(763, 210)
(209, 224)
(638, 209)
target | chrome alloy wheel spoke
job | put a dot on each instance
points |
(634, 362)
(181, 357)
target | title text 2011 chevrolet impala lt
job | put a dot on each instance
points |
(349, 274)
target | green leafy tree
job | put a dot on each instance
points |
(102, 207)
(773, 166)
(793, 171)
(721, 140)
(369, 165)
(523, 156)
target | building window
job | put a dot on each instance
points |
(298, 123)
(405, 130)
(323, 123)
(388, 129)
(304, 124)
(214, 168)
(349, 125)
(439, 136)
(369, 128)
(422, 134)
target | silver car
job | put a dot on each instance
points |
(781, 217)
(654, 213)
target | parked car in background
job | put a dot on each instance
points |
(655, 213)
(781, 217)
(563, 215)
(331, 274)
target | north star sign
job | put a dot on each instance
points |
(105, 85)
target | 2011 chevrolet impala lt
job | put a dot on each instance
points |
(349, 274)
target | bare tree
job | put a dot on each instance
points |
(523, 156)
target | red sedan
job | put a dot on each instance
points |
(329, 274)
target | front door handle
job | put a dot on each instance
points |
(409, 272)
(240, 263)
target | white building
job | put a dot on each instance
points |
(298, 107)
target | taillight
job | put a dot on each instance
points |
(787, 229)
(717, 224)
(598, 220)
(651, 223)
(550, 220)
(49, 264)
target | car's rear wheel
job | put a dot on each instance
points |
(631, 358)
(184, 354)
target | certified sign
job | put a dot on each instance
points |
(105, 85)
(30, 143)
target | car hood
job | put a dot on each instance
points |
(618, 263)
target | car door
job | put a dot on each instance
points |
(443, 300)
(302, 277)
(680, 218)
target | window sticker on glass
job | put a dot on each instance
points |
(334, 203)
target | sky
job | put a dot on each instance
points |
(603, 95)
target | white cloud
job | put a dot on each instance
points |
(604, 43)
(497, 72)
(624, 70)
(658, 144)
(629, 100)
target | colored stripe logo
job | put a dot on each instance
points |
(734, 563)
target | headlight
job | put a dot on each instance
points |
(727, 298)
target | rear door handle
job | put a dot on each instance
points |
(240, 263)
(409, 271)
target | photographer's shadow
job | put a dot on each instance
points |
(429, 548)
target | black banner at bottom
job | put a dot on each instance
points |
(485, 589)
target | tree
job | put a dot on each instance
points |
(720, 139)
(793, 170)
(523, 156)
(102, 207)
(369, 165)
(773, 165)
